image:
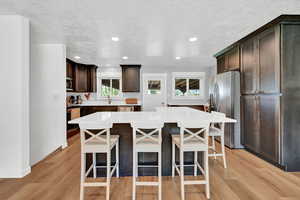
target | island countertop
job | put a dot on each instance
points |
(166, 115)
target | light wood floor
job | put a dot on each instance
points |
(247, 177)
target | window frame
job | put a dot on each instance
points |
(109, 76)
(189, 75)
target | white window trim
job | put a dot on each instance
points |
(108, 75)
(189, 75)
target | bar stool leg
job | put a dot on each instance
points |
(195, 162)
(182, 173)
(207, 191)
(173, 159)
(159, 176)
(223, 151)
(134, 175)
(94, 165)
(117, 158)
(82, 176)
(214, 146)
(108, 174)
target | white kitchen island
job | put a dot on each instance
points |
(121, 126)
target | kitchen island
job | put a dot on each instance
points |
(121, 126)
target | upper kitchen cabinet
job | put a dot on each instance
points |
(229, 60)
(83, 79)
(131, 78)
(269, 60)
(69, 69)
(260, 63)
(92, 78)
(249, 69)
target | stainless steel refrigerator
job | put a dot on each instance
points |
(225, 98)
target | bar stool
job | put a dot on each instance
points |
(99, 142)
(145, 142)
(217, 132)
(191, 141)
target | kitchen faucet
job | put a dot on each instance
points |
(109, 99)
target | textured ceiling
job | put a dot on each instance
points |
(151, 32)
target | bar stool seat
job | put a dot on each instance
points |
(213, 131)
(190, 145)
(100, 146)
(147, 144)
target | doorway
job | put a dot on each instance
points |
(154, 90)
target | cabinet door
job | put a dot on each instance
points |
(268, 45)
(269, 108)
(81, 82)
(250, 123)
(92, 79)
(221, 64)
(69, 70)
(130, 78)
(233, 59)
(249, 67)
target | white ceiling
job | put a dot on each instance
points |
(151, 32)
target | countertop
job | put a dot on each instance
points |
(104, 103)
(165, 115)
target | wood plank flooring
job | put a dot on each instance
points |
(247, 178)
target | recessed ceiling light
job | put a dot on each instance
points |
(177, 57)
(124, 57)
(115, 39)
(193, 39)
(77, 57)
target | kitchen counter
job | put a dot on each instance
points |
(104, 103)
(166, 115)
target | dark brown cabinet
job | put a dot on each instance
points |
(229, 61)
(81, 77)
(270, 85)
(269, 119)
(268, 59)
(261, 125)
(92, 78)
(248, 67)
(69, 69)
(260, 65)
(250, 123)
(131, 78)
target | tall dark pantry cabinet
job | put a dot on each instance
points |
(270, 89)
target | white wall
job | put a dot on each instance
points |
(14, 96)
(48, 95)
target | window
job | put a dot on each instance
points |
(154, 87)
(110, 87)
(188, 85)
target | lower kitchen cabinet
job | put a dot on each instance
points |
(260, 121)
(250, 123)
(269, 117)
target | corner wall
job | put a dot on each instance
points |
(48, 96)
(14, 96)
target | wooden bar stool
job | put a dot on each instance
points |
(96, 138)
(191, 141)
(146, 138)
(215, 131)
